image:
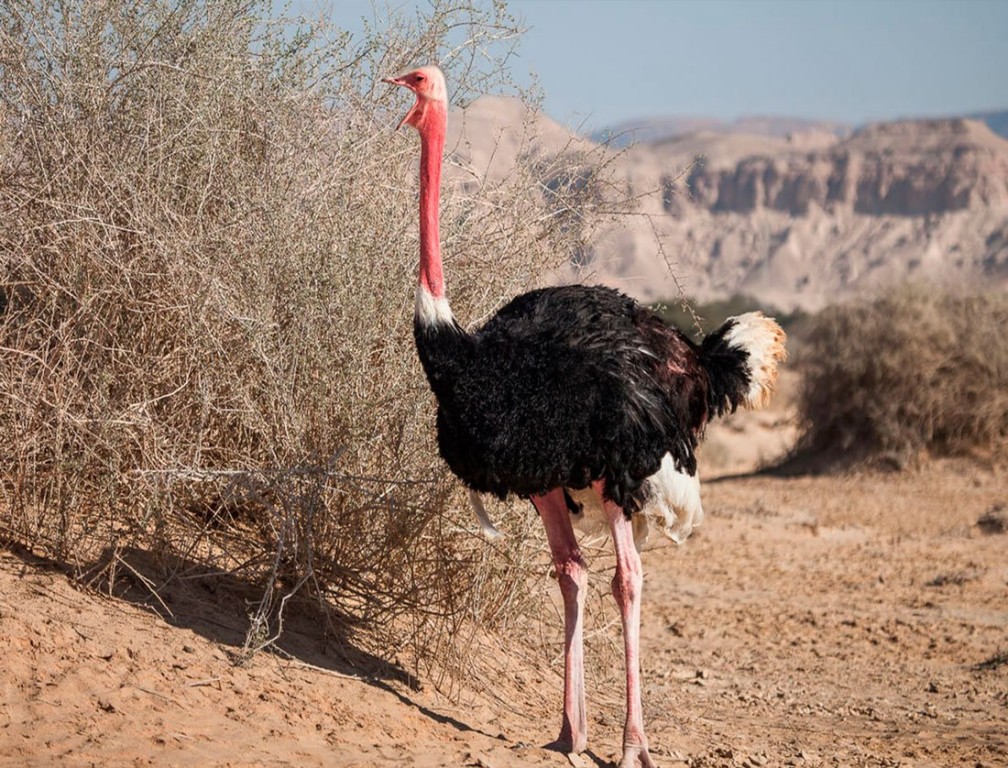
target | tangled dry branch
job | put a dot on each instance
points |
(207, 253)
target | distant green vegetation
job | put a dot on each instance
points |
(711, 314)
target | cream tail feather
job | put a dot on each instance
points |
(763, 340)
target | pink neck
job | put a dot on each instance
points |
(432, 140)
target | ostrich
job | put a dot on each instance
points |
(585, 402)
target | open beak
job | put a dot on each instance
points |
(401, 81)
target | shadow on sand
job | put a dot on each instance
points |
(813, 463)
(218, 607)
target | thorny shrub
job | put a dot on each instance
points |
(208, 244)
(915, 371)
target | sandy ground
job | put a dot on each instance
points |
(835, 621)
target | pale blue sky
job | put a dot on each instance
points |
(847, 60)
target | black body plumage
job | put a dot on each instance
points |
(568, 385)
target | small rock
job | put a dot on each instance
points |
(105, 705)
(994, 520)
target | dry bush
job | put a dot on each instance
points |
(918, 370)
(208, 244)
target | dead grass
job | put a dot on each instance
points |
(916, 371)
(207, 263)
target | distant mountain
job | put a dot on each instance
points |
(651, 129)
(802, 219)
(996, 121)
(654, 129)
(904, 168)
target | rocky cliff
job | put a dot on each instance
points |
(802, 219)
(906, 169)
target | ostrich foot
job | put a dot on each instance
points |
(636, 756)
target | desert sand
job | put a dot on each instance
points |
(854, 620)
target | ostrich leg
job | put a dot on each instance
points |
(572, 574)
(626, 587)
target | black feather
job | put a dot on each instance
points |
(569, 385)
(727, 371)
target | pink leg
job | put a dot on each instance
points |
(626, 588)
(571, 573)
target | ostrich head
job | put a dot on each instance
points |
(432, 95)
